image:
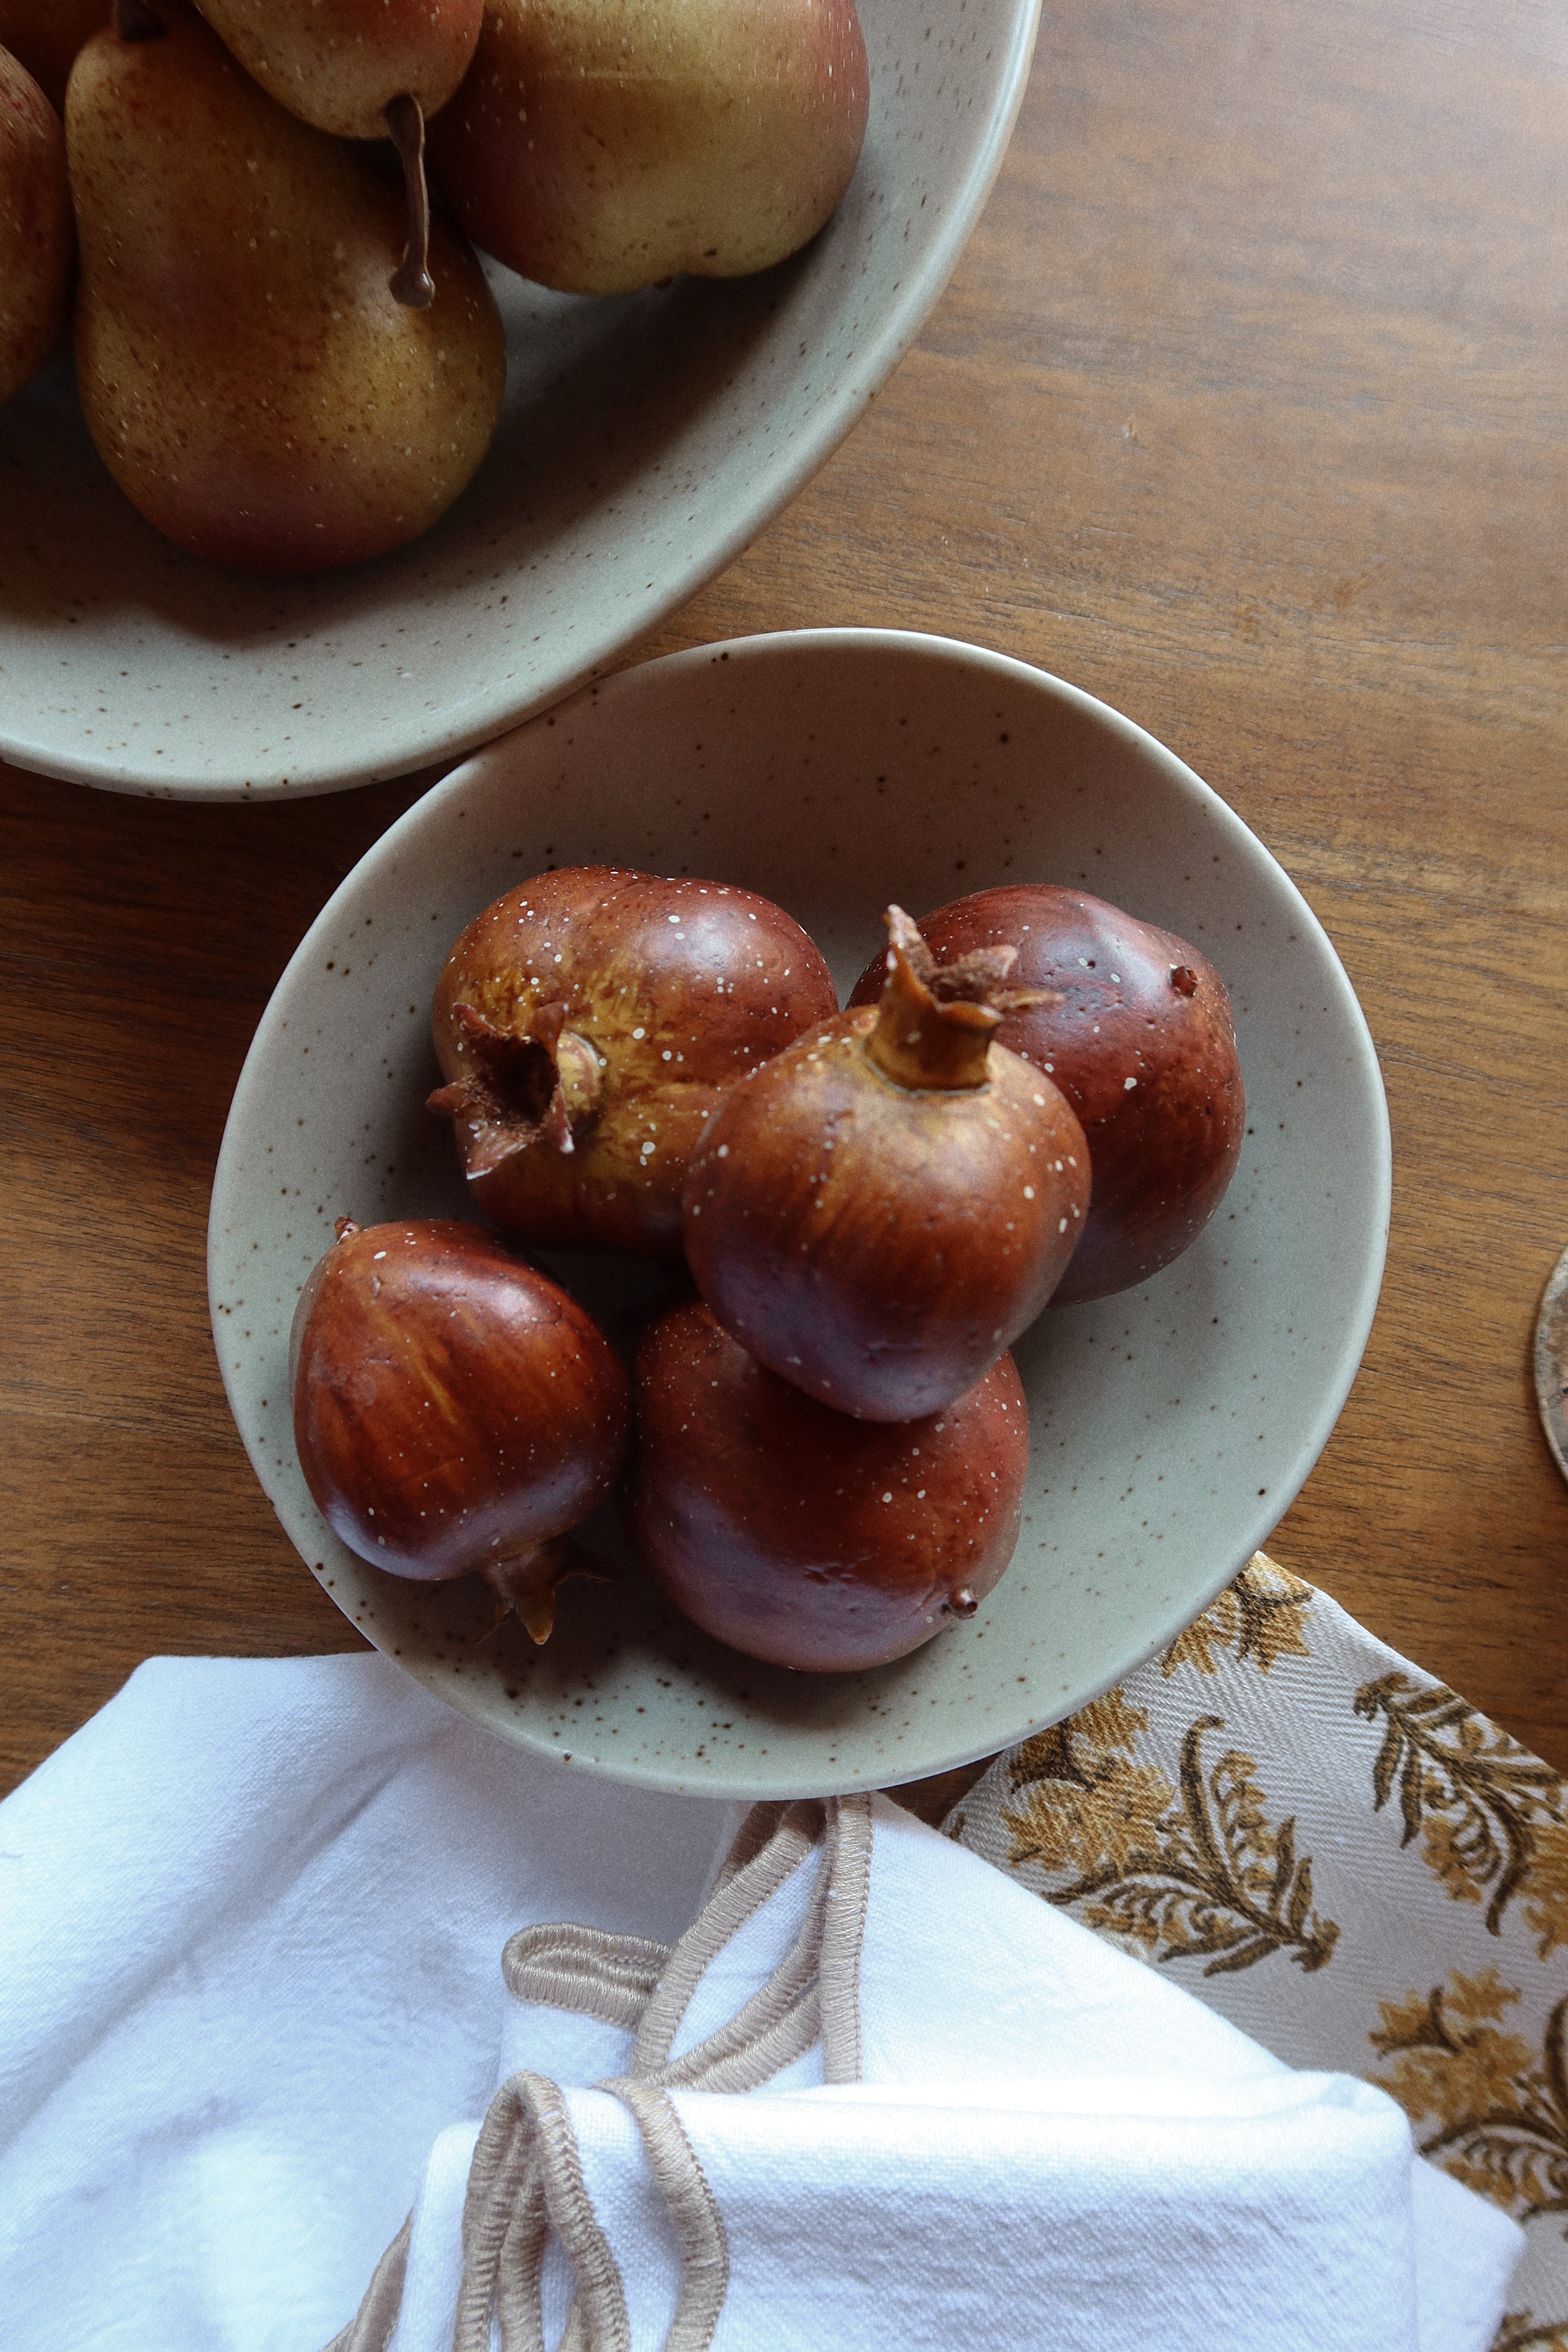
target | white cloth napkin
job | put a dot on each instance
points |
(251, 2012)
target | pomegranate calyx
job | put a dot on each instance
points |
(935, 1021)
(924, 1042)
(525, 1581)
(976, 978)
(538, 1085)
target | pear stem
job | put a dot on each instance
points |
(135, 21)
(411, 282)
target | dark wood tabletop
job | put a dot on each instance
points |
(1247, 411)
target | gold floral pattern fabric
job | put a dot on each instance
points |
(1347, 1861)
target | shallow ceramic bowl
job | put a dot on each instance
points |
(835, 770)
(644, 441)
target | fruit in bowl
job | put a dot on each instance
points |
(265, 378)
(801, 1536)
(602, 145)
(1134, 1027)
(880, 1210)
(455, 1412)
(832, 1441)
(340, 63)
(247, 376)
(38, 241)
(586, 1026)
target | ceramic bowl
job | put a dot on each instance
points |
(835, 770)
(644, 441)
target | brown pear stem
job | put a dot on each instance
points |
(919, 1041)
(411, 282)
(135, 21)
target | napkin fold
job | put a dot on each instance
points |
(812, 2076)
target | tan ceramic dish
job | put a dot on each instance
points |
(644, 441)
(833, 771)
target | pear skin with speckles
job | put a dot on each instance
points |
(336, 63)
(37, 243)
(247, 376)
(601, 145)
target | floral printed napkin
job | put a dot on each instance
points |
(1343, 1858)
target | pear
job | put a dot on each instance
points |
(361, 68)
(340, 63)
(249, 380)
(38, 241)
(601, 145)
(45, 35)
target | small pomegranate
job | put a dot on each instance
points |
(878, 1211)
(799, 1536)
(1135, 1027)
(454, 1409)
(587, 1023)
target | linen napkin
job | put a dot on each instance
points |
(814, 2075)
(1334, 1850)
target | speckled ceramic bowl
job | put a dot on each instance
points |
(835, 770)
(644, 441)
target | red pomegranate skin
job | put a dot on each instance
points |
(799, 1536)
(1143, 1046)
(670, 990)
(877, 1245)
(451, 1403)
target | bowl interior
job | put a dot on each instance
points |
(645, 440)
(834, 772)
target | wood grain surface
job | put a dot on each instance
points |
(1245, 412)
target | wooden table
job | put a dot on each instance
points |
(1245, 411)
